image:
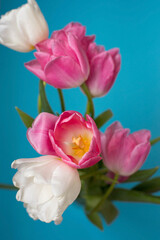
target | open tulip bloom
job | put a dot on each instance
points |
(78, 161)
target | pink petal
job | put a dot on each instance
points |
(117, 59)
(96, 132)
(59, 35)
(86, 41)
(142, 136)
(93, 152)
(61, 47)
(42, 58)
(45, 46)
(93, 50)
(81, 55)
(63, 72)
(113, 52)
(101, 76)
(76, 29)
(106, 137)
(138, 157)
(116, 151)
(35, 68)
(112, 128)
(58, 149)
(38, 135)
(90, 162)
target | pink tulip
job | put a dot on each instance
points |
(104, 67)
(124, 153)
(76, 140)
(68, 136)
(61, 61)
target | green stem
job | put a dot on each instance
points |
(154, 141)
(61, 99)
(105, 196)
(7, 187)
(105, 178)
(39, 104)
(90, 105)
(90, 174)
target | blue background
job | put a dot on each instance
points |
(133, 26)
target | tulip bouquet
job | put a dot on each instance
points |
(78, 161)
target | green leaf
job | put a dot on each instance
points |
(109, 212)
(91, 202)
(125, 195)
(103, 118)
(26, 119)
(142, 175)
(45, 107)
(150, 186)
(96, 220)
(154, 141)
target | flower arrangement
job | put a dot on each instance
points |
(78, 162)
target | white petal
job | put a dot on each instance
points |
(22, 28)
(34, 193)
(24, 161)
(64, 174)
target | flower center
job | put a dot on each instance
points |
(80, 145)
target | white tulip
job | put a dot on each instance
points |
(22, 28)
(47, 186)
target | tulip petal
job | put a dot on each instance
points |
(36, 69)
(76, 29)
(116, 150)
(45, 46)
(38, 135)
(9, 33)
(138, 157)
(42, 58)
(63, 72)
(106, 137)
(142, 136)
(81, 55)
(33, 193)
(101, 74)
(93, 50)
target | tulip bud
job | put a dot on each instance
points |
(124, 153)
(104, 67)
(22, 28)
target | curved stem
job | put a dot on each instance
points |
(90, 105)
(154, 141)
(106, 195)
(61, 99)
(7, 187)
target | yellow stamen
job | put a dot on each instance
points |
(80, 146)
